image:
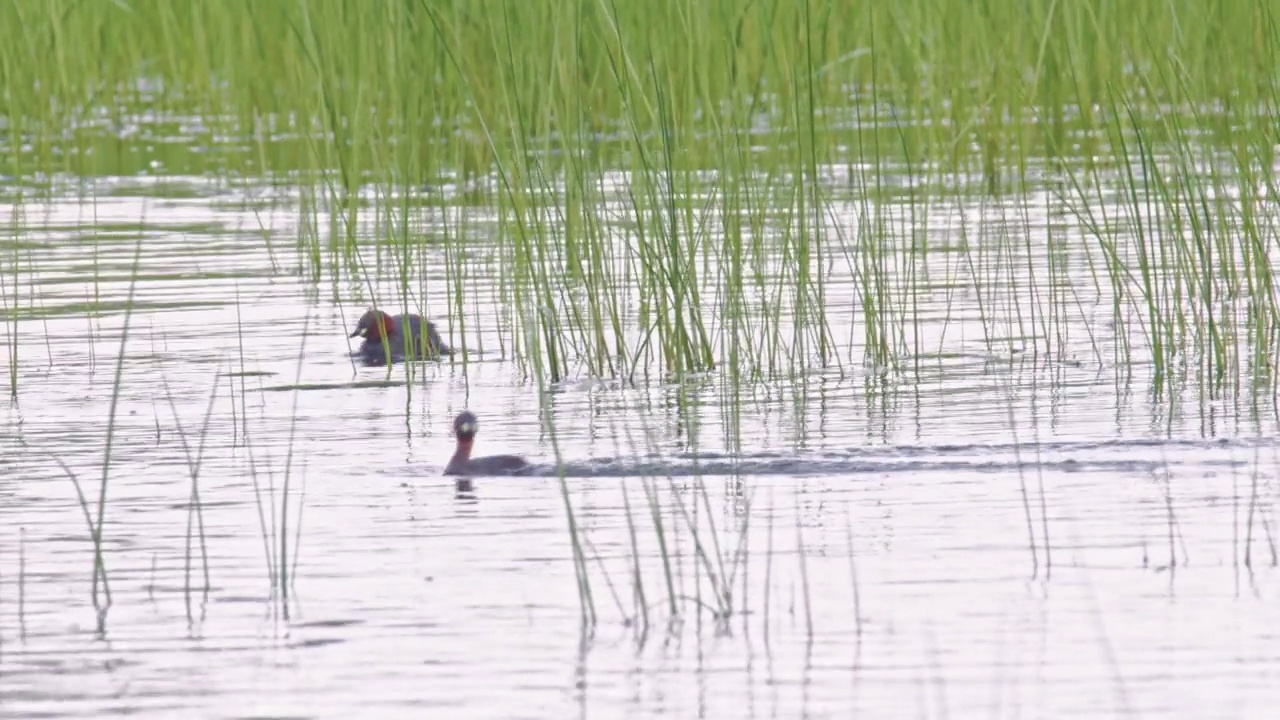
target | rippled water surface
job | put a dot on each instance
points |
(1003, 537)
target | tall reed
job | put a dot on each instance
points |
(662, 179)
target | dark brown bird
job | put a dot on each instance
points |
(402, 332)
(464, 428)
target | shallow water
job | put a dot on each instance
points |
(1005, 536)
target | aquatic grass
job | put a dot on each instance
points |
(1173, 527)
(768, 571)
(195, 508)
(285, 565)
(853, 574)
(741, 557)
(804, 573)
(665, 549)
(706, 548)
(266, 513)
(266, 516)
(576, 533)
(22, 582)
(94, 516)
(590, 549)
(279, 509)
(1257, 514)
(637, 576)
(102, 601)
(1024, 494)
(21, 590)
(716, 124)
(297, 530)
(694, 517)
(11, 327)
(679, 513)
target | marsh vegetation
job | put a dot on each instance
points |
(828, 319)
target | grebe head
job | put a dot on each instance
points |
(374, 325)
(465, 425)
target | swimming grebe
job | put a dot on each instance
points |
(464, 428)
(374, 325)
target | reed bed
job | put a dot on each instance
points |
(671, 186)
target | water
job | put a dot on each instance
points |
(885, 545)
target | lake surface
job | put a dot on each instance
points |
(1008, 534)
